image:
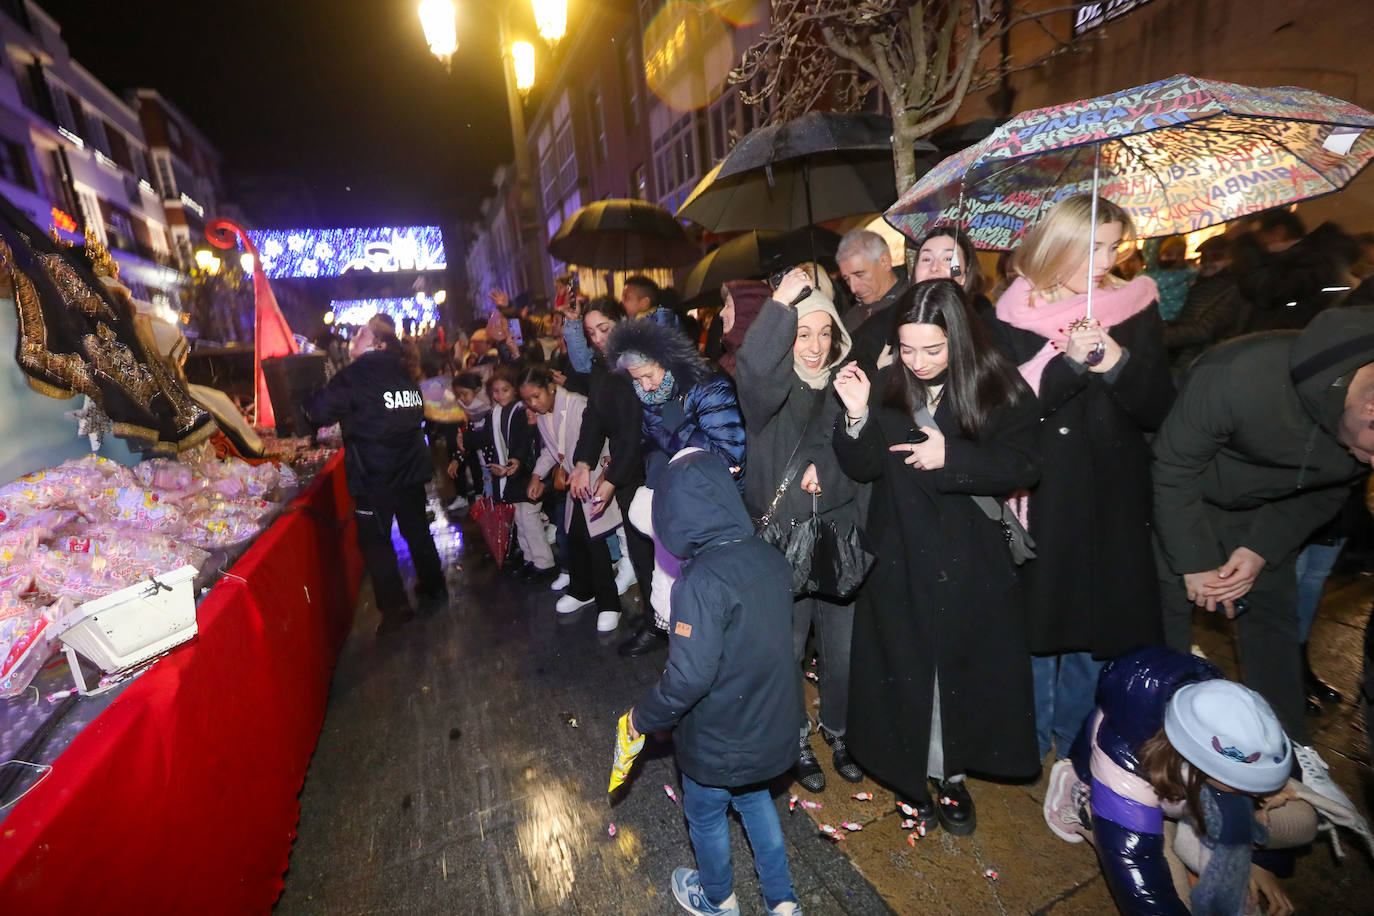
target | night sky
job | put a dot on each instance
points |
(343, 93)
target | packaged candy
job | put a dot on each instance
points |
(25, 645)
(626, 751)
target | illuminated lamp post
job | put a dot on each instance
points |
(517, 66)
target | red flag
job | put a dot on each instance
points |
(271, 334)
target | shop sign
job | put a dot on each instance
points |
(1091, 15)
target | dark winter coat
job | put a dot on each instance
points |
(944, 596)
(731, 690)
(1249, 456)
(871, 333)
(1214, 311)
(702, 410)
(776, 405)
(613, 414)
(522, 443)
(381, 414)
(1090, 514)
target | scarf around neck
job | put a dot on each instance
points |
(660, 395)
(819, 302)
(1021, 307)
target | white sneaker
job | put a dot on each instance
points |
(607, 621)
(1315, 775)
(567, 604)
(786, 908)
(458, 503)
(624, 576)
(561, 582)
(1065, 801)
(550, 533)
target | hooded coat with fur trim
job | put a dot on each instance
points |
(702, 411)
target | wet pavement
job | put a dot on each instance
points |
(450, 779)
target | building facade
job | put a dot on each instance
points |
(493, 259)
(73, 154)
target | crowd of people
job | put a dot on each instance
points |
(999, 505)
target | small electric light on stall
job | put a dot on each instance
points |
(440, 296)
(328, 317)
(206, 261)
(246, 262)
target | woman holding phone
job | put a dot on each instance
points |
(940, 668)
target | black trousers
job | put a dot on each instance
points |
(641, 547)
(374, 512)
(589, 565)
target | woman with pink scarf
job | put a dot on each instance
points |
(1103, 385)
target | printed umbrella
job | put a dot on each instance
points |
(1179, 155)
(495, 521)
(623, 234)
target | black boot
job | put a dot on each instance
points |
(844, 763)
(808, 769)
(956, 807)
(918, 816)
(649, 639)
(1316, 688)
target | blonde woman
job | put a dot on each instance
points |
(1103, 385)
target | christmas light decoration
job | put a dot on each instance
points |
(334, 252)
(420, 310)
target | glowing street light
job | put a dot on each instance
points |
(550, 19)
(441, 31)
(522, 59)
(206, 261)
(246, 262)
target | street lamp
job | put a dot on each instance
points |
(517, 66)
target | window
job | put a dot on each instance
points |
(173, 133)
(62, 108)
(630, 76)
(165, 177)
(97, 136)
(119, 148)
(14, 165)
(78, 117)
(638, 190)
(598, 124)
(90, 214)
(33, 89)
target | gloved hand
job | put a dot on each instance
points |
(674, 415)
(626, 750)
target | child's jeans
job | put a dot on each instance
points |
(706, 808)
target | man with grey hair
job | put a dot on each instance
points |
(866, 265)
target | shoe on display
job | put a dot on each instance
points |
(844, 762)
(649, 639)
(1066, 802)
(393, 621)
(808, 768)
(687, 890)
(607, 621)
(1316, 775)
(568, 604)
(561, 582)
(955, 806)
(624, 576)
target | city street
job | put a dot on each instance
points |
(463, 763)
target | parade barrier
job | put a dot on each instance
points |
(182, 796)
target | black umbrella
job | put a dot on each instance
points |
(621, 234)
(754, 255)
(818, 167)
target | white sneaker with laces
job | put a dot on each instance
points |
(607, 621)
(786, 908)
(561, 582)
(567, 604)
(687, 890)
(1064, 803)
(1315, 774)
(624, 576)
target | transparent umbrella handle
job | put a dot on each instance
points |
(1099, 352)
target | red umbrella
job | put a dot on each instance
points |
(495, 520)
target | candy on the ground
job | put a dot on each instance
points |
(792, 803)
(946, 800)
(625, 752)
(573, 722)
(990, 874)
(611, 830)
(831, 832)
(906, 809)
(909, 823)
(806, 803)
(811, 676)
(911, 839)
(863, 796)
(851, 826)
(671, 793)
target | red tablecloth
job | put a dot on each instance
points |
(181, 797)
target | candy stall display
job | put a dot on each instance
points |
(90, 527)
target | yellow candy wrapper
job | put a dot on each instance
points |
(625, 752)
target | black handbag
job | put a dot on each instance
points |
(824, 560)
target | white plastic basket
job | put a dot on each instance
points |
(132, 625)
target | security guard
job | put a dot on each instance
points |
(387, 461)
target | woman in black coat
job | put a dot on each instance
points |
(1092, 591)
(784, 367)
(614, 416)
(940, 669)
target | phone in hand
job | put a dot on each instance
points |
(917, 436)
(516, 334)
